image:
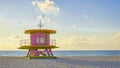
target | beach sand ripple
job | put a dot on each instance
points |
(62, 62)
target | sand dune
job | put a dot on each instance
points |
(61, 62)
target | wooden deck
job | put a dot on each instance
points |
(38, 47)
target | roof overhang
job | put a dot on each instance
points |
(30, 31)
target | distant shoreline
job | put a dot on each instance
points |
(101, 58)
(66, 53)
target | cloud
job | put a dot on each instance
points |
(74, 26)
(15, 37)
(93, 42)
(115, 40)
(117, 36)
(46, 6)
(85, 16)
(46, 21)
(9, 43)
(74, 42)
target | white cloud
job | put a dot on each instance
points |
(85, 16)
(11, 42)
(8, 44)
(115, 40)
(117, 36)
(46, 21)
(93, 42)
(74, 26)
(15, 37)
(72, 42)
(46, 6)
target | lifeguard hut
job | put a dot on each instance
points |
(40, 45)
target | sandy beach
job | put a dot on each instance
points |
(62, 62)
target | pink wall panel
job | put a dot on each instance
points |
(49, 39)
(38, 35)
(32, 39)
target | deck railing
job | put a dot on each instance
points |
(24, 42)
(27, 42)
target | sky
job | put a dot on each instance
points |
(80, 24)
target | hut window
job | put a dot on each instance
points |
(42, 40)
(37, 40)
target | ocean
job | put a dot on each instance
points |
(68, 53)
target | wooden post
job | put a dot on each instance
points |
(47, 52)
(28, 54)
(51, 52)
(47, 38)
